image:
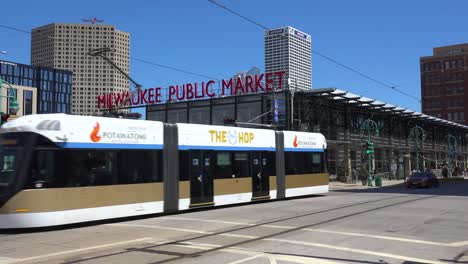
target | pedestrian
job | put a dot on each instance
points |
(445, 172)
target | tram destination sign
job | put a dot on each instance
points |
(193, 91)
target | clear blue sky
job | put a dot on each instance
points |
(383, 39)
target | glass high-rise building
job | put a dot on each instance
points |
(66, 46)
(288, 49)
(53, 87)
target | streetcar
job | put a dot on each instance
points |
(59, 169)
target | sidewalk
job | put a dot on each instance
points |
(335, 185)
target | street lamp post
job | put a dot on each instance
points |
(293, 91)
(369, 125)
(451, 144)
(11, 96)
(415, 132)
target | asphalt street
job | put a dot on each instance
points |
(378, 225)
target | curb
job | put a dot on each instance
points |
(454, 179)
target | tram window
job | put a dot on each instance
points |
(137, 166)
(184, 165)
(90, 168)
(304, 162)
(78, 168)
(241, 164)
(43, 170)
(223, 169)
(223, 159)
(316, 158)
(7, 166)
(268, 163)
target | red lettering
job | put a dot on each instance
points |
(182, 97)
(151, 95)
(172, 91)
(207, 88)
(119, 98)
(127, 100)
(143, 97)
(158, 95)
(101, 99)
(239, 85)
(202, 90)
(258, 82)
(110, 103)
(280, 77)
(189, 91)
(268, 81)
(226, 85)
(137, 101)
(248, 83)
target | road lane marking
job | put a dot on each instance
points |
(5, 260)
(163, 227)
(379, 237)
(229, 222)
(207, 220)
(417, 241)
(246, 259)
(459, 244)
(83, 249)
(238, 235)
(354, 250)
(185, 230)
(253, 254)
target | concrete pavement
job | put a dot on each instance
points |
(367, 225)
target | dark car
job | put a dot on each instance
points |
(422, 179)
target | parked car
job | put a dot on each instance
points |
(422, 179)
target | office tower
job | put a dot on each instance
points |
(289, 49)
(66, 46)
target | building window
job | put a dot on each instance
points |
(27, 105)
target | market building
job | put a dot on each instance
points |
(339, 115)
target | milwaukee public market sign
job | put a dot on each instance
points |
(192, 91)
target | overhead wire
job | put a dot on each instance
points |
(319, 54)
(133, 58)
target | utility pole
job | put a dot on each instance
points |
(100, 52)
(370, 125)
(13, 103)
(416, 132)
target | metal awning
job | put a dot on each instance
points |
(341, 96)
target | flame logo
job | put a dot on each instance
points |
(295, 142)
(94, 134)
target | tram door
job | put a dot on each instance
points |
(260, 177)
(201, 177)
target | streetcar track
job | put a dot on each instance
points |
(236, 244)
(181, 241)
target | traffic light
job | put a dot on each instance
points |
(369, 148)
(4, 118)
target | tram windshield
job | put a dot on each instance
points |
(11, 151)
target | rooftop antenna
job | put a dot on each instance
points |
(93, 20)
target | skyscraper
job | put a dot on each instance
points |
(66, 46)
(289, 49)
(444, 80)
